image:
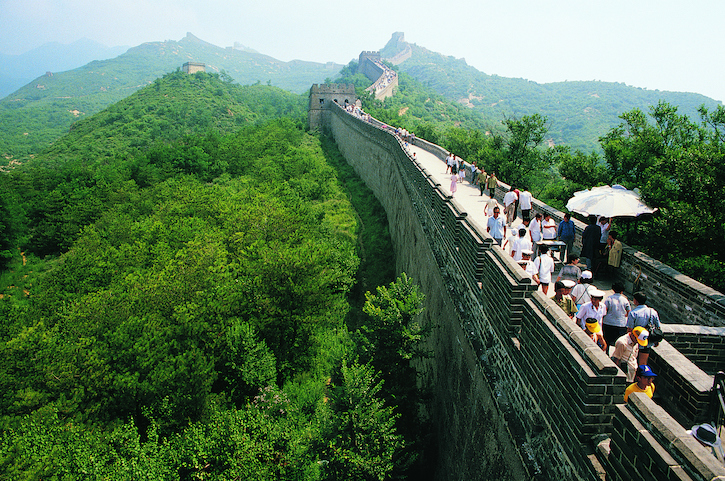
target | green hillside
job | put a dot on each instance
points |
(184, 304)
(578, 112)
(37, 114)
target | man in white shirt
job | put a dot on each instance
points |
(521, 242)
(615, 321)
(593, 309)
(509, 204)
(535, 228)
(544, 266)
(525, 204)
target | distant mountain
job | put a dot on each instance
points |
(579, 112)
(18, 70)
(35, 115)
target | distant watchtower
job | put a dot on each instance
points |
(373, 56)
(193, 67)
(321, 99)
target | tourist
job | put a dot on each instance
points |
(593, 309)
(489, 206)
(643, 382)
(571, 269)
(522, 242)
(590, 241)
(474, 173)
(511, 241)
(525, 199)
(594, 331)
(481, 181)
(496, 226)
(567, 233)
(626, 350)
(562, 298)
(580, 293)
(535, 228)
(544, 266)
(509, 206)
(526, 263)
(614, 253)
(548, 227)
(491, 183)
(454, 183)
(604, 226)
(615, 321)
(449, 162)
(643, 316)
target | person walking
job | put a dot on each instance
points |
(525, 200)
(567, 233)
(614, 323)
(496, 226)
(509, 206)
(544, 266)
(454, 184)
(491, 183)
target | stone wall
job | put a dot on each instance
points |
(520, 393)
(509, 369)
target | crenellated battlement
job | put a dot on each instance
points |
(324, 95)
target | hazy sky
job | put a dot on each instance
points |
(662, 44)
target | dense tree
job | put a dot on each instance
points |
(364, 443)
(678, 165)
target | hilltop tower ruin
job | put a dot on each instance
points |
(321, 98)
(193, 67)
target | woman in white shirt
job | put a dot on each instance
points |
(548, 227)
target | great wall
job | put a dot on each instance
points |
(520, 391)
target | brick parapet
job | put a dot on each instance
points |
(648, 444)
(703, 345)
(682, 388)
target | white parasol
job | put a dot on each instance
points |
(614, 201)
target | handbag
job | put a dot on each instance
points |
(655, 333)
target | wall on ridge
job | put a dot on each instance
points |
(509, 369)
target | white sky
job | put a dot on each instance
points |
(662, 44)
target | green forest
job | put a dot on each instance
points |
(194, 287)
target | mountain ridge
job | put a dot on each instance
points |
(579, 111)
(42, 110)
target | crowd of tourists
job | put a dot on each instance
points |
(387, 77)
(626, 330)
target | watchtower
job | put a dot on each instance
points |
(373, 56)
(321, 98)
(193, 67)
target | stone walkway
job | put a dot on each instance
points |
(469, 197)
